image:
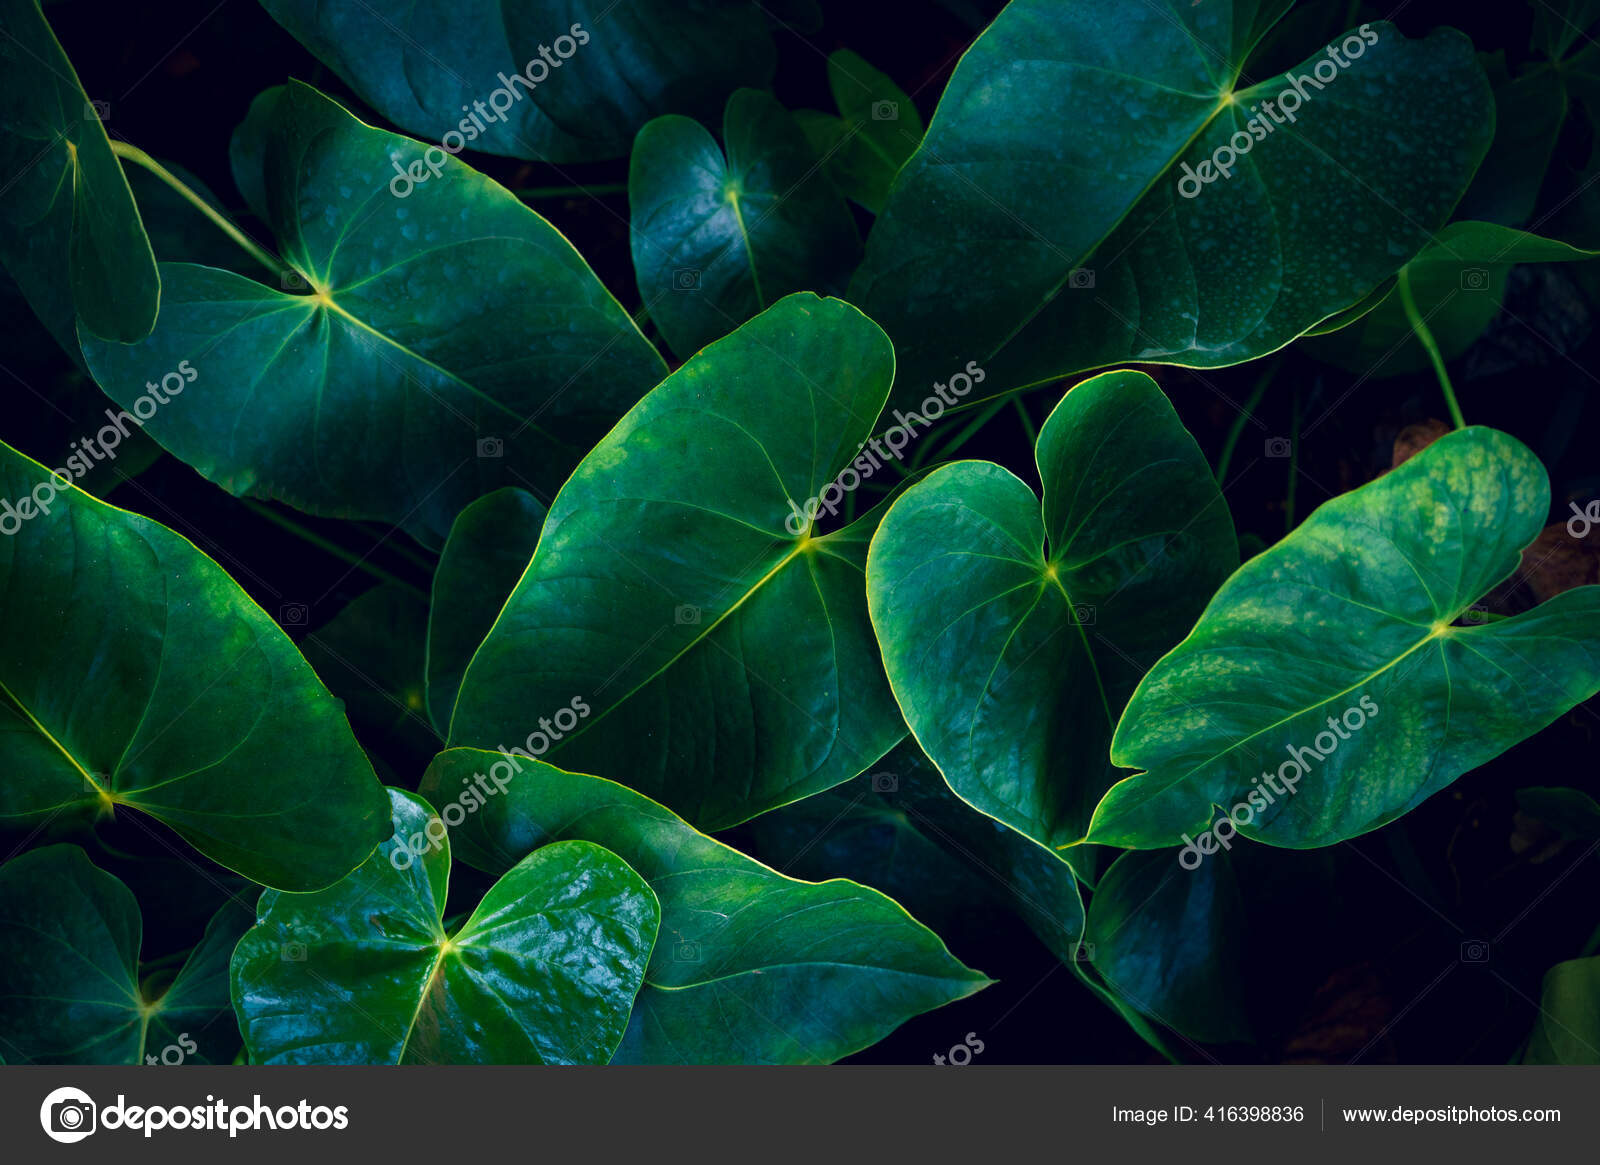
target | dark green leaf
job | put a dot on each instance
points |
(1336, 655)
(752, 967)
(1567, 1030)
(716, 241)
(681, 633)
(135, 674)
(879, 128)
(544, 972)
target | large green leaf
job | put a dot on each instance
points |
(1567, 1030)
(684, 639)
(717, 240)
(877, 130)
(1013, 632)
(454, 322)
(487, 551)
(544, 971)
(752, 967)
(69, 231)
(599, 69)
(1041, 228)
(1457, 283)
(135, 674)
(70, 990)
(1166, 941)
(1337, 653)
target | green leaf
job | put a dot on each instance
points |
(487, 551)
(69, 231)
(1530, 111)
(135, 674)
(752, 967)
(1458, 282)
(1042, 230)
(598, 69)
(879, 129)
(716, 241)
(1014, 632)
(685, 638)
(544, 971)
(1166, 941)
(1572, 811)
(69, 972)
(1567, 1030)
(419, 326)
(1337, 653)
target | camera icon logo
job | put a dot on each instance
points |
(293, 615)
(292, 281)
(885, 783)
(1475, 951)
(686, 279)
(885, 111)
(1081, 279)
(292, 952)
(491, 447)
(96, 111)
(686, 615)
(1083, 613)
(67, 1115)
(1083, 953)
(1474, 279)
(686, 952)
(1278, 447)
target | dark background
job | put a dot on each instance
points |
(1361, 952)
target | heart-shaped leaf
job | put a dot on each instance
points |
(1457, 284)
(687, 633)
(752, 967)
(1013, 633)
(450, 318)
(716, 241)
(1567, 1030)
(70, 989)
(1328, 688)
(544, 971)
(592, 71)
(135, 674)
(1067, 211)
(877, 130)
(487, 551)
(69, 231)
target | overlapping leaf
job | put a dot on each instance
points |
(451, 340)
(70, 990)
(723, 663)
(69, 231)
(751, 967)
(1041, 229)
(136, 675)
(1013, 633)
(1332, 665)
(877, 129)
(717, 240)
(544, 971)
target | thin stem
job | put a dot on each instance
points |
(572, 191)
(1028, 429)
(332, 548)
(961, 438)
(134, 154)
(1294, 464)
(399, 546)
(1244, 416)
(1425, 338)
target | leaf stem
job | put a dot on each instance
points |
(1028, 428)
(134, 154)
(1294, 464)
(1244, 416)
(1419, 327)
(925, 453)
(332, 548)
